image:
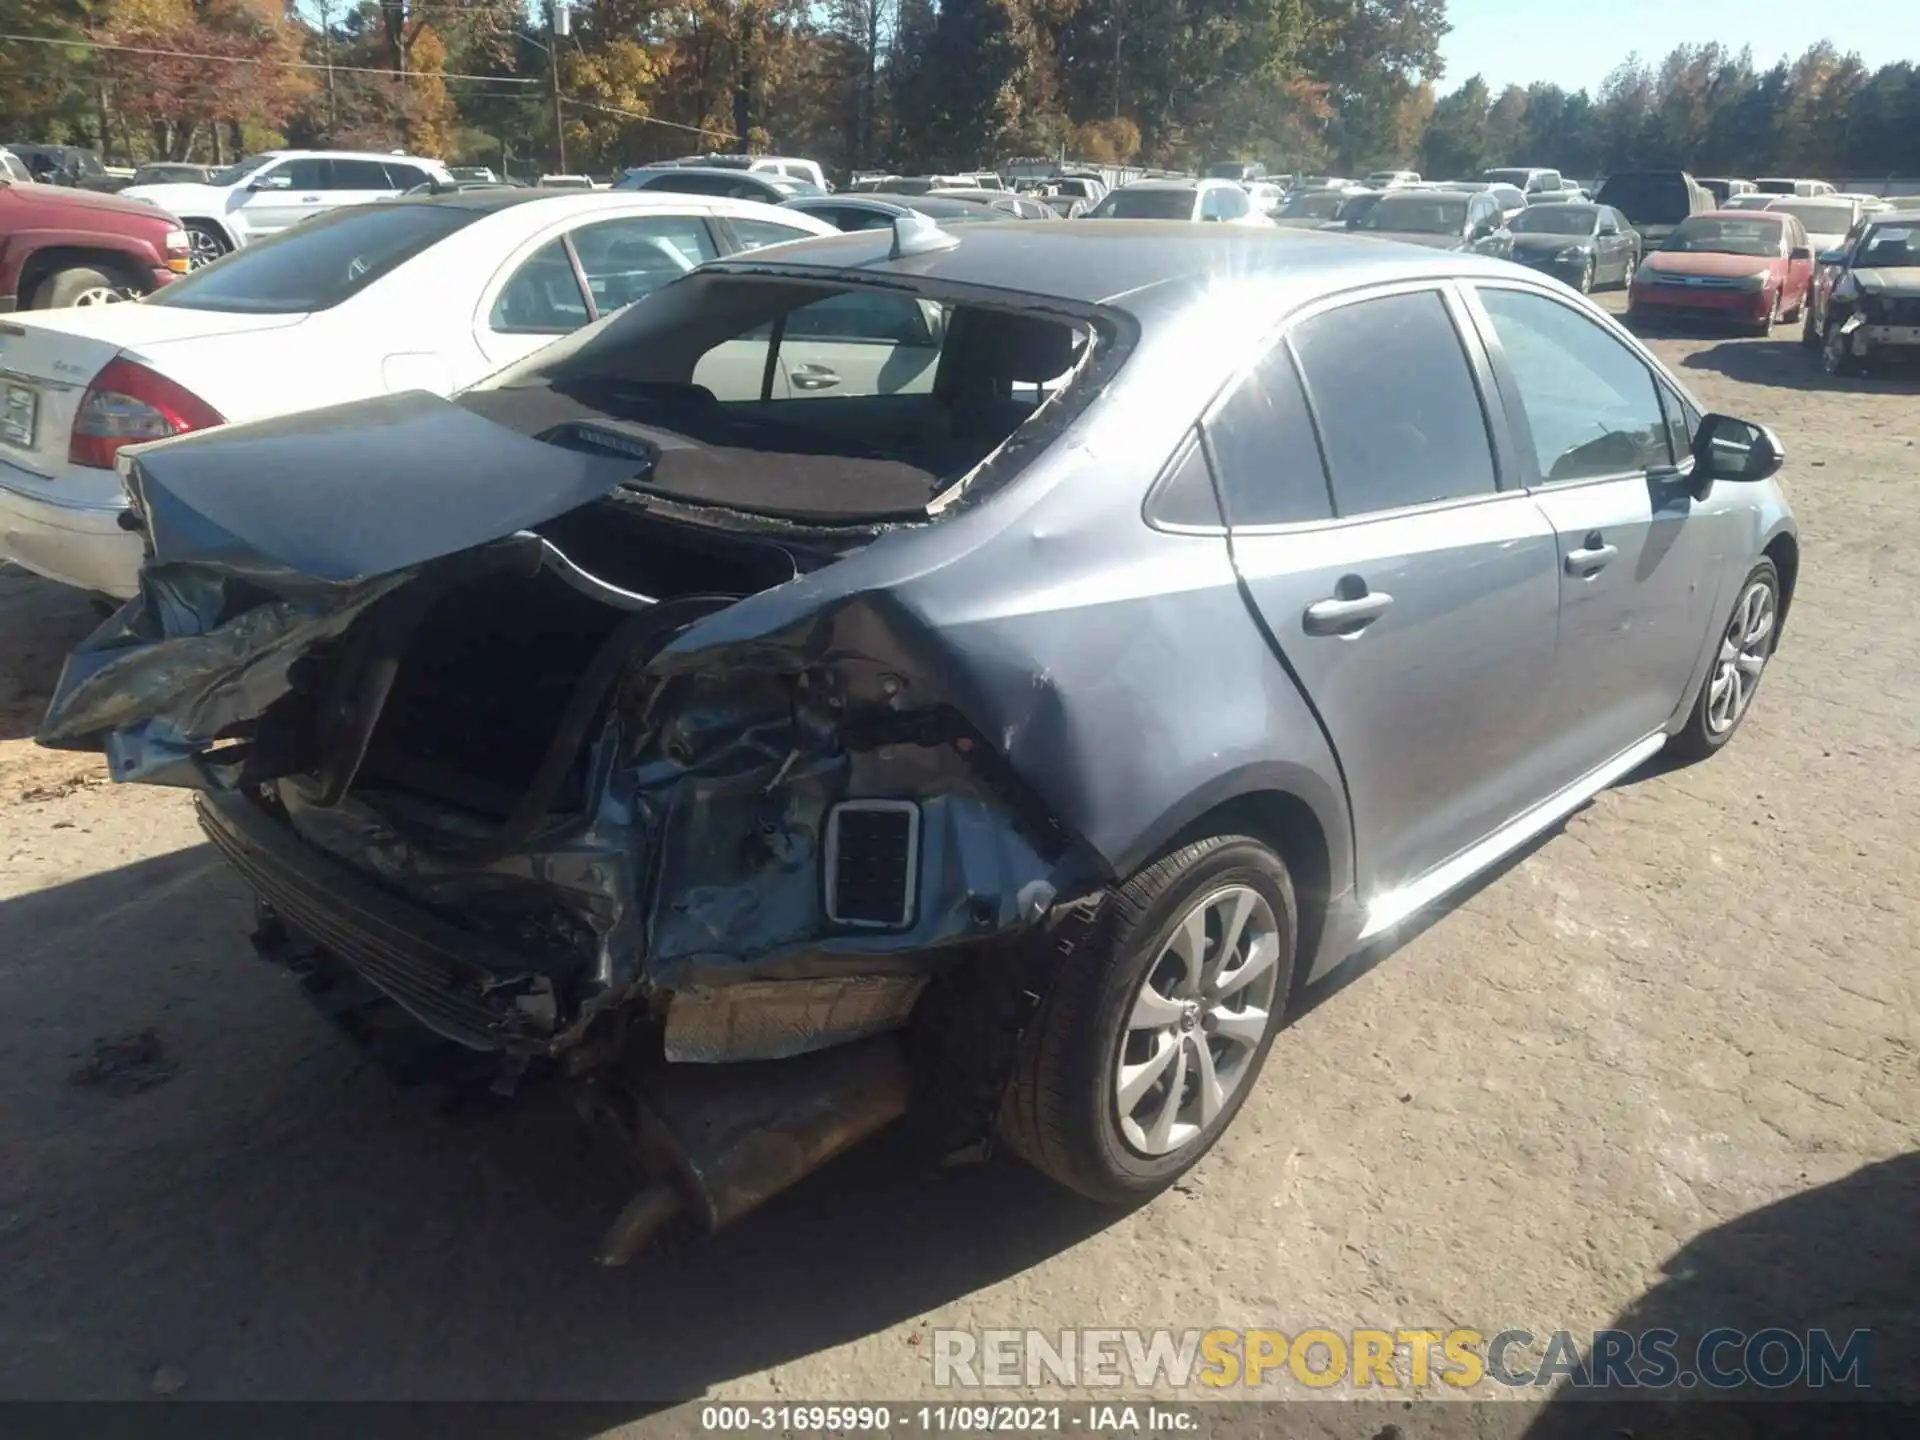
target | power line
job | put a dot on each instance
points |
(251, 60)
(648, 119)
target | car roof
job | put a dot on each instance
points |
(669, 168)
(489, 200)
(1134, 265)
(1175, 183)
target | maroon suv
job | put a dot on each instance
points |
(63, 246)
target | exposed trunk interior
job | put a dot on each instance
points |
(486, 679)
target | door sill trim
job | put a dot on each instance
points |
(1390, 909)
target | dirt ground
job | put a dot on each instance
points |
(1663, 1065)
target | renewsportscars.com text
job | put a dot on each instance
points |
(1321, 1359)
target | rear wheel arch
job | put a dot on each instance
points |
(1291, 828)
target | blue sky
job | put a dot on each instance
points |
(1520, 41)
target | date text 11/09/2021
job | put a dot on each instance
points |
(980, 1419)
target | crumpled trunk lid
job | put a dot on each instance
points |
(268, 540)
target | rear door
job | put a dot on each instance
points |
(355, 182)
(285, 194)
(1640, 559)
(861, 343)
(1411, 596)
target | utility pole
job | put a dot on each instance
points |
(557, 25)
(326, 41)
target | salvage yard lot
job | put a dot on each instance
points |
(1696, 999)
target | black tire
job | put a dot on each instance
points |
(1764, 327)
(1699, 739)
(204, 243)
(1059, 1113)
(1809, 337)
(67, 287)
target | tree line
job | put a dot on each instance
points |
(907, 85)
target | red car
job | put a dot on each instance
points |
(63, 246)
(1752, 267)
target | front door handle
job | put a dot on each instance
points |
(814, 377)
(1346, 616)
(1592, 557)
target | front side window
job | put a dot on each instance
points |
(405, 177)
(1590, 402)
(1399, 415)
(1264, 447)
(307, 174)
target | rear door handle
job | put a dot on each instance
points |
(1346, 617)
(1592, 558)
(813, 377)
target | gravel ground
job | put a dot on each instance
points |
(1661, 1067)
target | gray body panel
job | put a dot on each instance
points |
(1135, 677)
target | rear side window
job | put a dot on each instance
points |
(542, 298)
(1263, 444)
(317, 264)
(755, 234)
(360, 175)
(1399, 415)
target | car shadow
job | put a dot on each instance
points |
(280, 1220)
(1790, 364)
(1312, 995)
(40, 623)
(1840, 1257)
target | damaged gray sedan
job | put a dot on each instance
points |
(977, 674)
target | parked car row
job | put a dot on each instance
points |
(770, 705)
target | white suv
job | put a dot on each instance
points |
(269, 192)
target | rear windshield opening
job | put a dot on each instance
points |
(1146, 205)
(1648, 199)
(799, 401)
(316, 264)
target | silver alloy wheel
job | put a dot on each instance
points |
(99, 295)
(1197, 1020)
(1743, 655)
(203, 247)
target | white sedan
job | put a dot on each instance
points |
(417, 294)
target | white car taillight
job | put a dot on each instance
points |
(128, 404)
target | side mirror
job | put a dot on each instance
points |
(1832, 257)
(1800, 252)
(1727, 448)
